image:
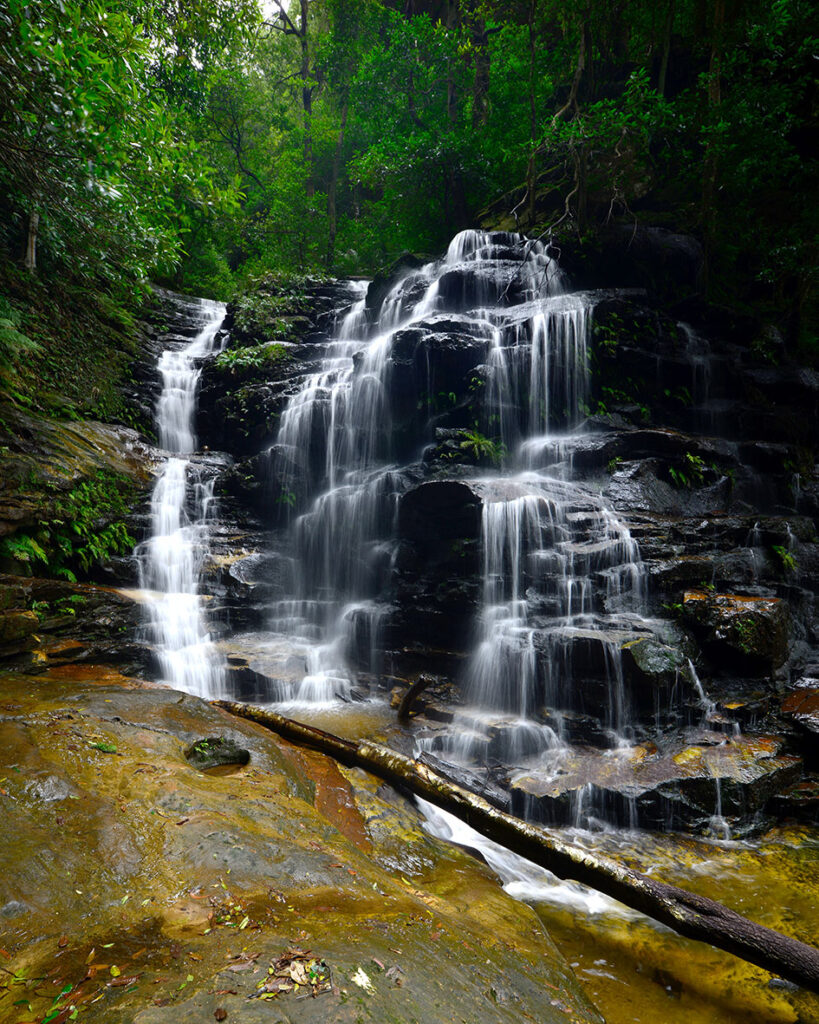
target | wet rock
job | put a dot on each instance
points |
(215, 751)
(675, 786)
(654, 670)
(803, 706)
(294, 850)
(469, 286)
(433, 515)
(386, 279)
(431, 368)
(16, 626)
(749, 633)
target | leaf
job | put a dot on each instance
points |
(362, 979)
(115, 971)
(298, 973)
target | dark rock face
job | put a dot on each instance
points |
(748, 632)
(703, 450)
(437, 586)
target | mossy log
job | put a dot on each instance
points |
(695, 917)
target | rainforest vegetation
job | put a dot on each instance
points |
(205, 144)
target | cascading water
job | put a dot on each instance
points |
(181, 503)
(561, 573)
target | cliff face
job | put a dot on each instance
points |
(696, 438)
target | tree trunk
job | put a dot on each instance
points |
(686, 913)
(30, 258)
(332, 216)
(667, 33)
(306, 95)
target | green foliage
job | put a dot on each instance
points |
(91, 146)
(83, 340)
(690, 473)
(13, 343)
(22, 548)
(482, 448)
(608, 334)
(84, 527)
(190, 141)
(787, 559)
(254, 357)
(287, 498)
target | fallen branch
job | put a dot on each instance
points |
(418, 687)
(695, 917)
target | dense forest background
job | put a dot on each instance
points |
(203, 143)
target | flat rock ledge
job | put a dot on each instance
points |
(135, 887)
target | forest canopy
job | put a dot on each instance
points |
(207, 143)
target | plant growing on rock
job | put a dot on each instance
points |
(690, 473)
(84, 527)
(252, 358)
(787, 559)
(483, 448)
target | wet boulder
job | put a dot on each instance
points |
(746, 634)
(17, 629)
(436, 514)
(655, 672)
(430, 374)
(471, 285)
(437, 571)
(387, 279)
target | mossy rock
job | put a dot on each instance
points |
(216, 751)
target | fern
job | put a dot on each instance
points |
(13, 343)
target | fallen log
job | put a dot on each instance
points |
(695, 917)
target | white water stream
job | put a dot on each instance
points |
(181, 503)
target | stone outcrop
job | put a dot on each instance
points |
(161, 893)
(690, 439)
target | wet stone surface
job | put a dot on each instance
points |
(139, 887)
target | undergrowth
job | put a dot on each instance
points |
(81, 529)
(65, 348)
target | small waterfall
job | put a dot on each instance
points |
(181, 504)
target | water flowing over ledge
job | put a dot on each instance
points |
(181, 505)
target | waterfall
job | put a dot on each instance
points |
(181, 504)
(562, 579)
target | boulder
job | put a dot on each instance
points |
(747, 634)
(295, 853)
